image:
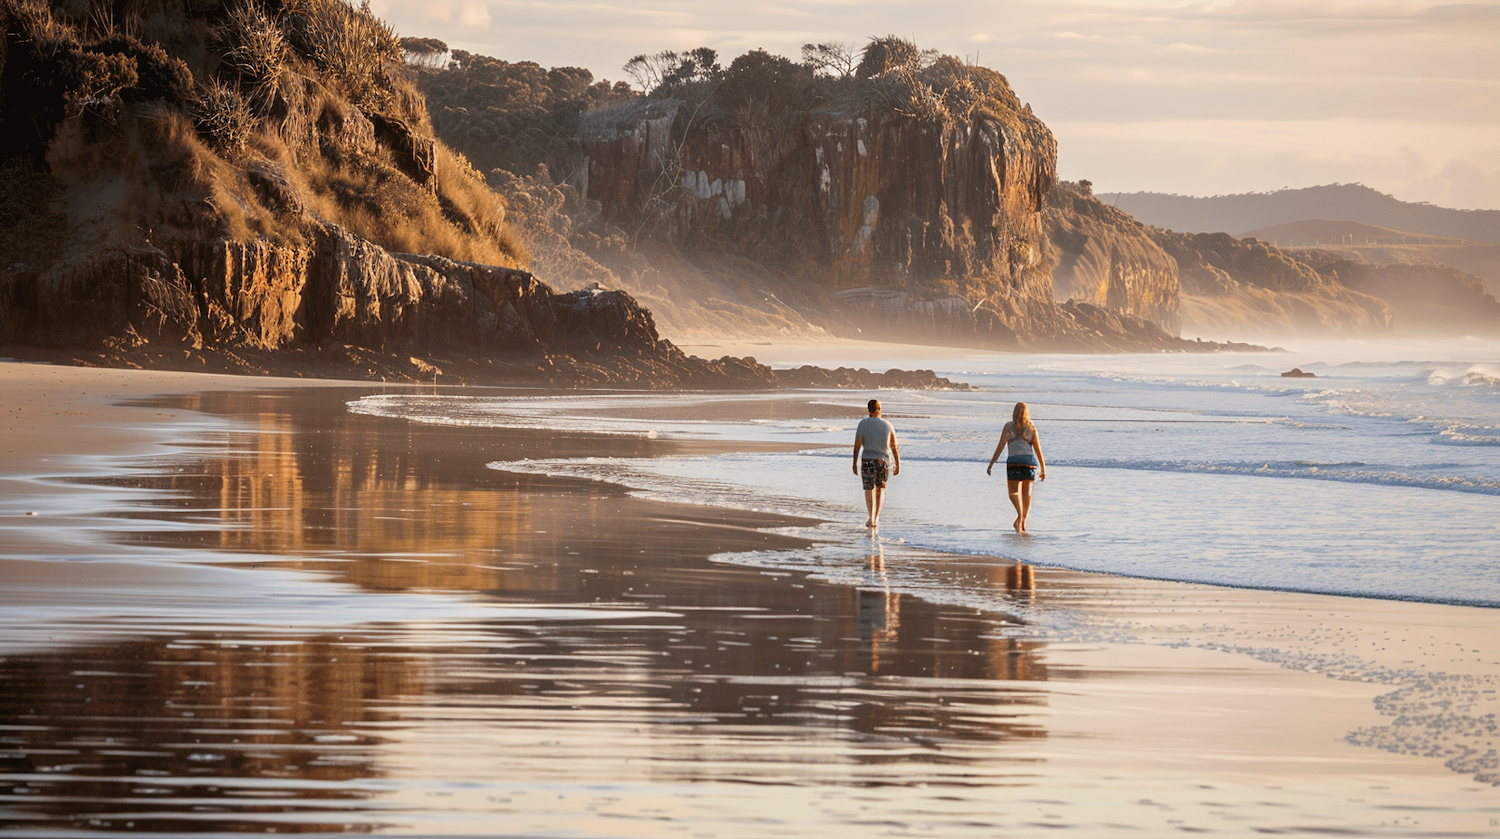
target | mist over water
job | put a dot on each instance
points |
(1378, 478)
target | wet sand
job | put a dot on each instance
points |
(228, 605)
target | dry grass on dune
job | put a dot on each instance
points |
(252, 120)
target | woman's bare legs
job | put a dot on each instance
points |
(1014, 487)
(1024, 505)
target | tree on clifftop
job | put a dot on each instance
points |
(887, 55)
(835, 58)
(663, 71)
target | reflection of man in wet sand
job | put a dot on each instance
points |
(877, 438)
(879, 608)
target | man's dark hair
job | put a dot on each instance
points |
(874, 405)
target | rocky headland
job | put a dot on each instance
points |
(287, 186)
(900, 200)
(257, 187)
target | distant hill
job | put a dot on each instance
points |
(1385, 246)
(1240, 214)
(1313, 233)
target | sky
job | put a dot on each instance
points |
(1205, 98)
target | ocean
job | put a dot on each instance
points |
(1378, 477)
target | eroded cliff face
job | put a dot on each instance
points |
(1240, 286)
(908, 223)
(1424, 298)
(1105, 258)
(339, 288)
(896, 224)
(855, 201)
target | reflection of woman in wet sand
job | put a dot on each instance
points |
(1023, 463)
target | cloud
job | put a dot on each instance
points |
(1471, 182)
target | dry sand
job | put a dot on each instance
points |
(353, 625)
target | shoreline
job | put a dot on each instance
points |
(1250, 689)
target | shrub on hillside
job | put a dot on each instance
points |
(223, 117)
(883, 56)
(301, 115)
(158, 75)
(776, 83)
(350, 44)
(256, 54)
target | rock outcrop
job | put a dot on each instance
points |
(1239, 286)
(850, 199)
(909, 204)
(1103, 257)
(902, 206)
(260, 301)
(1423, 297)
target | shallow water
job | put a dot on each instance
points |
(1206, 468)
(358, 626)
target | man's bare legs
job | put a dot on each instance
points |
(874, 498)
(1020, 498)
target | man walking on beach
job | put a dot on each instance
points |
(877, 437)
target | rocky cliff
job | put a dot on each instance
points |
(851, 199)
(1425, 298)
(249, 187)
(905, 203)
(1104, 257)
(1240, 286)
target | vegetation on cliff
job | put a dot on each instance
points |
(258, 120)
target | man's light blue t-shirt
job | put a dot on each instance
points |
(876, 434)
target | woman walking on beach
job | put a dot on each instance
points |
(1023, 463)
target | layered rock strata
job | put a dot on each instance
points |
(267, 306)
(1102, 257)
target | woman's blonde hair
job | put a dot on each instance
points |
(1021, 416)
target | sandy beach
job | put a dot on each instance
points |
(230, 605)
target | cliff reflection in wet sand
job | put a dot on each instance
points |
(615, 652)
